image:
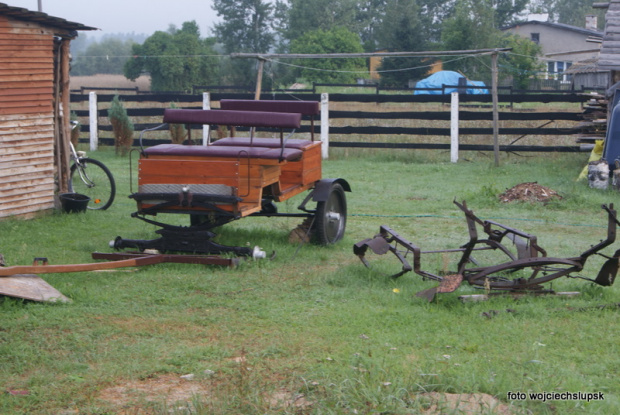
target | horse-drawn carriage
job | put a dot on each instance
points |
(236, 177)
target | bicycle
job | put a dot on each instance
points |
(92, 178)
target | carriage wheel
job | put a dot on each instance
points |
(331, 216)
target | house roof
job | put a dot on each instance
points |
(609, 57)
(41, 18)
(561, 26)
(584, 66)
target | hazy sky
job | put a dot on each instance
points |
(126, 16)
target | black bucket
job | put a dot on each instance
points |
(73, 202)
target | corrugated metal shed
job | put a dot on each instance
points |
(34, 87)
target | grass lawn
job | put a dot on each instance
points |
(313, 331)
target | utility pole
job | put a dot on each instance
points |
(40, 5)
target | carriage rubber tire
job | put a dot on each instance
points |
(331, 217)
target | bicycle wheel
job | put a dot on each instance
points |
(92, 178)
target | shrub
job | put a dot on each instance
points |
(121, 125)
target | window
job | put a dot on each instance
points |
(535, 37)
(555, 70)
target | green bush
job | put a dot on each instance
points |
(121, 125)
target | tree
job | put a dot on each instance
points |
(121, 125)
(521, 63)
(507, 11)
(307, 16)
(571, 12)
(330, 70)
(176, 60)
(402, 31)
(369, 16)
(470, 27)
(246, 25)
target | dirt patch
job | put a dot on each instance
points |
(172, 390)
(529, 192)
(466, 403)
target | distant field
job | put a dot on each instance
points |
(110, 81)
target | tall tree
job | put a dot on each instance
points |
(522, 62)
(471, 26)
(306, 16)
(247, 26)
(332, 70)
(507, 11)
(571, 12)
(368, 19)
(402, 31)
(176, 60)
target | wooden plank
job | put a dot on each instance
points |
(13, 191)
(27, 54)
(27, 78)
(43, 91)
(4, 60)
(25, 154)
(9, 38)
(30, 181)
(29, 84)
(305, 171)
(25, 120)
(13, 171)
(151, 171)
(30, 287)
(26, 206)
(33, 109)
(25, 29)
(44, 197)
(13, 65)
(6, 73)
(18, 47)
(25, 140)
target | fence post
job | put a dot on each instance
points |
(93, 117)
(454, 127)
(206, 105)
(325, 125)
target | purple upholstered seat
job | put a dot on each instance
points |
(263, 142)
(288, 154)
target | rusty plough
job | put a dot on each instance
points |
(524, 268)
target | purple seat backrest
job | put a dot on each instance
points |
(302, 107)
(233, 118)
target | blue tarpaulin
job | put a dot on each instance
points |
(451, 78)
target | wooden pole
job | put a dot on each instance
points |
(65, 117)
(259, 77)
(266, 56)
(495, 111)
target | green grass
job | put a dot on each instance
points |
(313, 331)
